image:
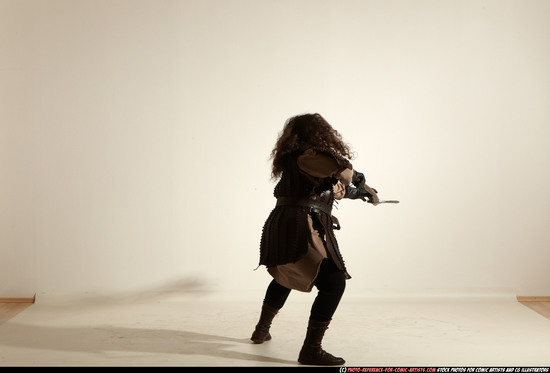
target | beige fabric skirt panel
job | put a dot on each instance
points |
(301, 275)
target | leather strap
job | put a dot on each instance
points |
(306, 202)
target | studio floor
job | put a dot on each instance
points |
(208, 329)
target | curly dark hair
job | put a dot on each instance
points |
(307, 131)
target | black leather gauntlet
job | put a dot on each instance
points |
(358, 179)
(357, 193)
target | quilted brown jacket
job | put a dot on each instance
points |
(285, 232)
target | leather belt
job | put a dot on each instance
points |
(306, 202)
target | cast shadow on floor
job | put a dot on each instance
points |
(104, 341)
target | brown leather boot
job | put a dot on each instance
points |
(312, 353)
(261, 333)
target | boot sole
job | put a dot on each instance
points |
(317, 363)
(260, 341)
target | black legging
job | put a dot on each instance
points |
(331, 283)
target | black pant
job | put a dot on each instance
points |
(330, 283)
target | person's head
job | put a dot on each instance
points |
(307, 131)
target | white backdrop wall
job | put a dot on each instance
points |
(135, 139)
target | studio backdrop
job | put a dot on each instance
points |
(135, 138)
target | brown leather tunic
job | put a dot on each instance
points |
(295, 239)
